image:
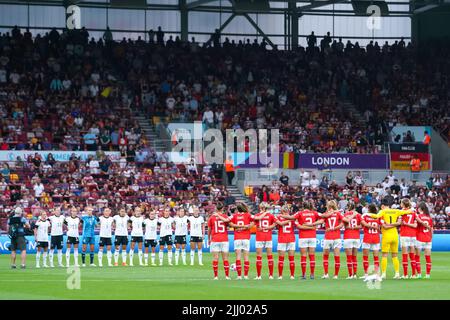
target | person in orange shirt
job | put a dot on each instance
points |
(415, 164)
(274, 196)
(229, 170)
(426, 138)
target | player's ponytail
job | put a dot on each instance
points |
(242, 207)
(424, 208)
(332, 205)
(406, 203)
(372, 208)
(219, 206)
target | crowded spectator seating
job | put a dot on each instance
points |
(319, 189)
(107, 183)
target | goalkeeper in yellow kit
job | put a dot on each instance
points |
(389, 242)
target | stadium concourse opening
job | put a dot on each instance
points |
(98, 193)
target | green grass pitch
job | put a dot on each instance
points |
(186, 282)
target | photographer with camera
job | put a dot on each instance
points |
(16, 232)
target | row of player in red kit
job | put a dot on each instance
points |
(306, 221)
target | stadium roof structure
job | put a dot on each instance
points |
(291, 10)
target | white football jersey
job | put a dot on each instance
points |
(181, 226)
(151, 228)
(121, 225)
(166, 226)
(136, 226)
(106, 226)
(73, 227)
(57, 225)
(196, 226)
(42, 230)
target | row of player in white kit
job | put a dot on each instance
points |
(121, 224)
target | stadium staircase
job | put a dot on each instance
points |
(234, 191)
(150, 133)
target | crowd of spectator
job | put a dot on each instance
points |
(36, 184)
(64, 91)
(435, 193)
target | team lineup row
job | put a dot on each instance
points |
(415, 230)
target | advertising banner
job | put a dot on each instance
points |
(441, 242)
(11, 155)
(343, 161)
(402, 154)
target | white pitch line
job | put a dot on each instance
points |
(102, 280)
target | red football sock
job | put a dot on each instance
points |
(412, 259)
(280, 265)
(226, 267)
(405, 263)
(270, 263)
(376, 262)
(366, 264)
(355, 264)
(312, 263)
(246, 267)
(418, 266)
(337, 265)
(303, 264)
(325, 263)
(428, 260)
(258, 265)
(239, 267)
(215, 267)
(292, 265)
(349, 264)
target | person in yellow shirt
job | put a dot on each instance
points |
(389, 242)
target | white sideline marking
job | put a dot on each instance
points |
(107, 280)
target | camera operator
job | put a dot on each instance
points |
(16, 231)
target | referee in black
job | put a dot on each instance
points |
(16, 231)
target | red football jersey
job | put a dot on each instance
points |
(371, 236)
(332, 222)
(265, 222)
(307, 217)
(242, 219)
(424, 235)
(218, 229)
(406, 231)
(286, 233)
(356, 221)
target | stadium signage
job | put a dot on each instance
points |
(58, 155)
(441, 242)
(343, 161)
(402, 154)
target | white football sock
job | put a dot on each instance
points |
(192, 256)
(170, 254)
(100, 257)
(38, 257)
(183, 255)
(109, 256)
(60, 256)
(161, 257)
(124, 256)
(146, 258)
(50, 257)
(131, 254)
(140, 257)
(200, 256)
(45, 258)
(75, 256)
(153, 257)
(116, 256)
(177, 256)
(68, 257)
